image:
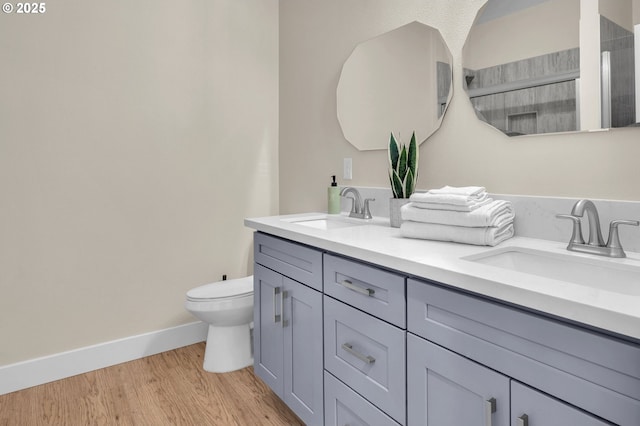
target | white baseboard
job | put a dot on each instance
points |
(33, 372)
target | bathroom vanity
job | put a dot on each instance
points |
(356, 325)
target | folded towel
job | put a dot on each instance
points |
(469, 207)
(449, 199)
(459, 190)
(486, 236)
(494, 213)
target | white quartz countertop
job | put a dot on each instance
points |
(443, 262)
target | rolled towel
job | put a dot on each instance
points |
(486, 236)
(448, 199)
(494, 213)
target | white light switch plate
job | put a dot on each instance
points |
(348, 169)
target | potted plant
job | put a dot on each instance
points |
(403, 175)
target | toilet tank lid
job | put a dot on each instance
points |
(220, 289)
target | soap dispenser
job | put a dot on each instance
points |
(333, 194)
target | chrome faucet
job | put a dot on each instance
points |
(358, 209)
(595, 244)
(595, 233)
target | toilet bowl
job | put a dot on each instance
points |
(227, 306)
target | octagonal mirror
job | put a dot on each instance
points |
(548, 66)
(398, 82)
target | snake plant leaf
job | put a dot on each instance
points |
(409, 183)
(393, 190)
(412, 161)
(393, 186)
(394, 153)
(396, 186)
(403, 166)
(402, 162)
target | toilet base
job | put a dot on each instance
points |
(228, 349)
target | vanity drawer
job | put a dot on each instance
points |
(367, 354)
(293, 260)
(593, 371)
(343, 406)
(544, 410)
(377, 292)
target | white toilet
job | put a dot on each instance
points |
(227, 306)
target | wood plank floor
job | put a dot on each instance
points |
(170, 388)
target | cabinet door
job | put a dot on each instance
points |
(447, 389)
(532, 408)
(268, 353)
(302, 322)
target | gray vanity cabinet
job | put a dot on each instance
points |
(573, 369)
(268, 347)
(346, 342)
(344, 406)
(293, 260)
(532, 408)
(288, 333)
(367, 354)
(447, 389)
(373, 290)
(364, 344)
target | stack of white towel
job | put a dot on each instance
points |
(459, 214)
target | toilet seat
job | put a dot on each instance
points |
(230, 289)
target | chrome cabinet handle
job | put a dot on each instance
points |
(276, 315)
(351, 286)
(489, 409)
(283, 295)
(366, 358)
(523, 420)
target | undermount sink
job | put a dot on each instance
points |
(602, 274)
(325, 221)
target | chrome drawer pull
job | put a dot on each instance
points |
(366, 291)
(276, 315)
(366, 358)
(489, 409)
(283, 295)
(523, 420)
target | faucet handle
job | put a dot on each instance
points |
(614, 238)
(367, 212)
(576, 236)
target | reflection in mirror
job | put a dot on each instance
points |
(398, 82)
(543, 66)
